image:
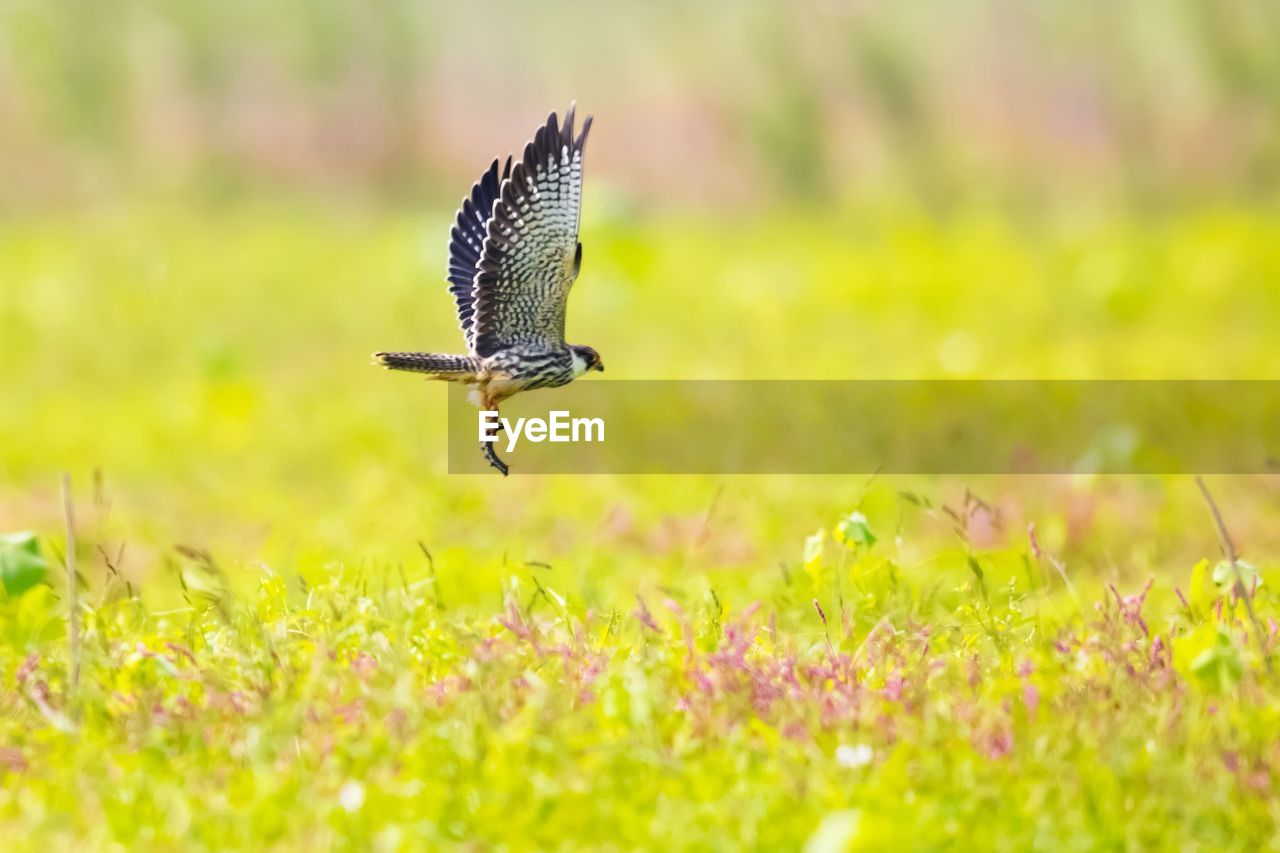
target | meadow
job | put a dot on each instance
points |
(297, 631)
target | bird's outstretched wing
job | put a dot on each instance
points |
(531, 252)
(466, 244)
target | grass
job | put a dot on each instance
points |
(269, 658)
(970, 706)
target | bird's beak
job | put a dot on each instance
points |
(599, 366)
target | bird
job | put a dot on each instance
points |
(514, 255)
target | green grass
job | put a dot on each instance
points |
(924, 706)
(268, 657)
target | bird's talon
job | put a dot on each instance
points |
(492, 455)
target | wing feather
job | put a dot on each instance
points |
(530, 254)
(466, 243)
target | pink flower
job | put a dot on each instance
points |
(999, 743)
(1030, 697)
(645, 618)
(1131, 605)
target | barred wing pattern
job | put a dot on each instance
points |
(466, 244)
(531, 251)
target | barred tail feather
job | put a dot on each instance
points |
(457, 368)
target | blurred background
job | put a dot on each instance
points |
(714, 104)
(212, 211)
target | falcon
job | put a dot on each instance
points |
(513, 257)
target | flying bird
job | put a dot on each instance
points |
(513, 257)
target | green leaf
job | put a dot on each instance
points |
(1220, 664)
(813, 555)
(1224, 574)
(21, 564)
(854, 530)
(837, 832)
(1199, 594)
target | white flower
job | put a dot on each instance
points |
(853, 756)
(351, 796)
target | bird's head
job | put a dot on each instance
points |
(584, 359)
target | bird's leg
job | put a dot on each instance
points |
(487, 446)
(492, 456)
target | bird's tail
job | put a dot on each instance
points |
(455, 368)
